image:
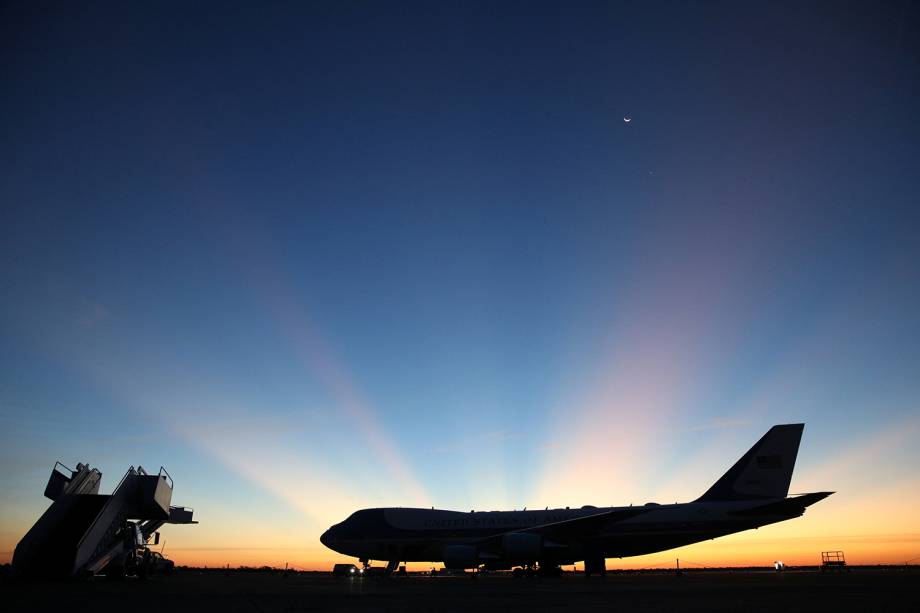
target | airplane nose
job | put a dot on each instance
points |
(326, 538)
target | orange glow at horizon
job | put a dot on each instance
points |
(735, 550)
(878, 528)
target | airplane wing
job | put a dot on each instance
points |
(569, 529)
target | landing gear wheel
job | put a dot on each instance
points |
(596, 566)
(549, 570)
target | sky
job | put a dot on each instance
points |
(316, 257)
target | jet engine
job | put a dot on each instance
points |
(522, 546)
(460, 556)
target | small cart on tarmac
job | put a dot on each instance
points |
(832, 561)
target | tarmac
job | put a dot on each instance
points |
(263, 592)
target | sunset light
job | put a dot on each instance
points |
(463, 257)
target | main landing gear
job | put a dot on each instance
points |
(549, 571)
(595, 566)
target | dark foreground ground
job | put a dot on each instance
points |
(859, 590)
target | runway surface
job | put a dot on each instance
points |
(859, 590)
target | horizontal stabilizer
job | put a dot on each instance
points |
(794, 505)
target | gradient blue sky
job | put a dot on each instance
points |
(320, 256)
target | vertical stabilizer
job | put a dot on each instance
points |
(764, 471)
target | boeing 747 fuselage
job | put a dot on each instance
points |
(753, 493)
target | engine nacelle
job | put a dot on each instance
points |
(460, 556)
(522, 547)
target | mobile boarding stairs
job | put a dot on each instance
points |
(84, 532)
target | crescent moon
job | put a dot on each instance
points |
(627, 119)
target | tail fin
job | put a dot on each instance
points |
(764, 471)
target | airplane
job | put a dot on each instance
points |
(753, 493)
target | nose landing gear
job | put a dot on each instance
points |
(377, 571)
(538, 570)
